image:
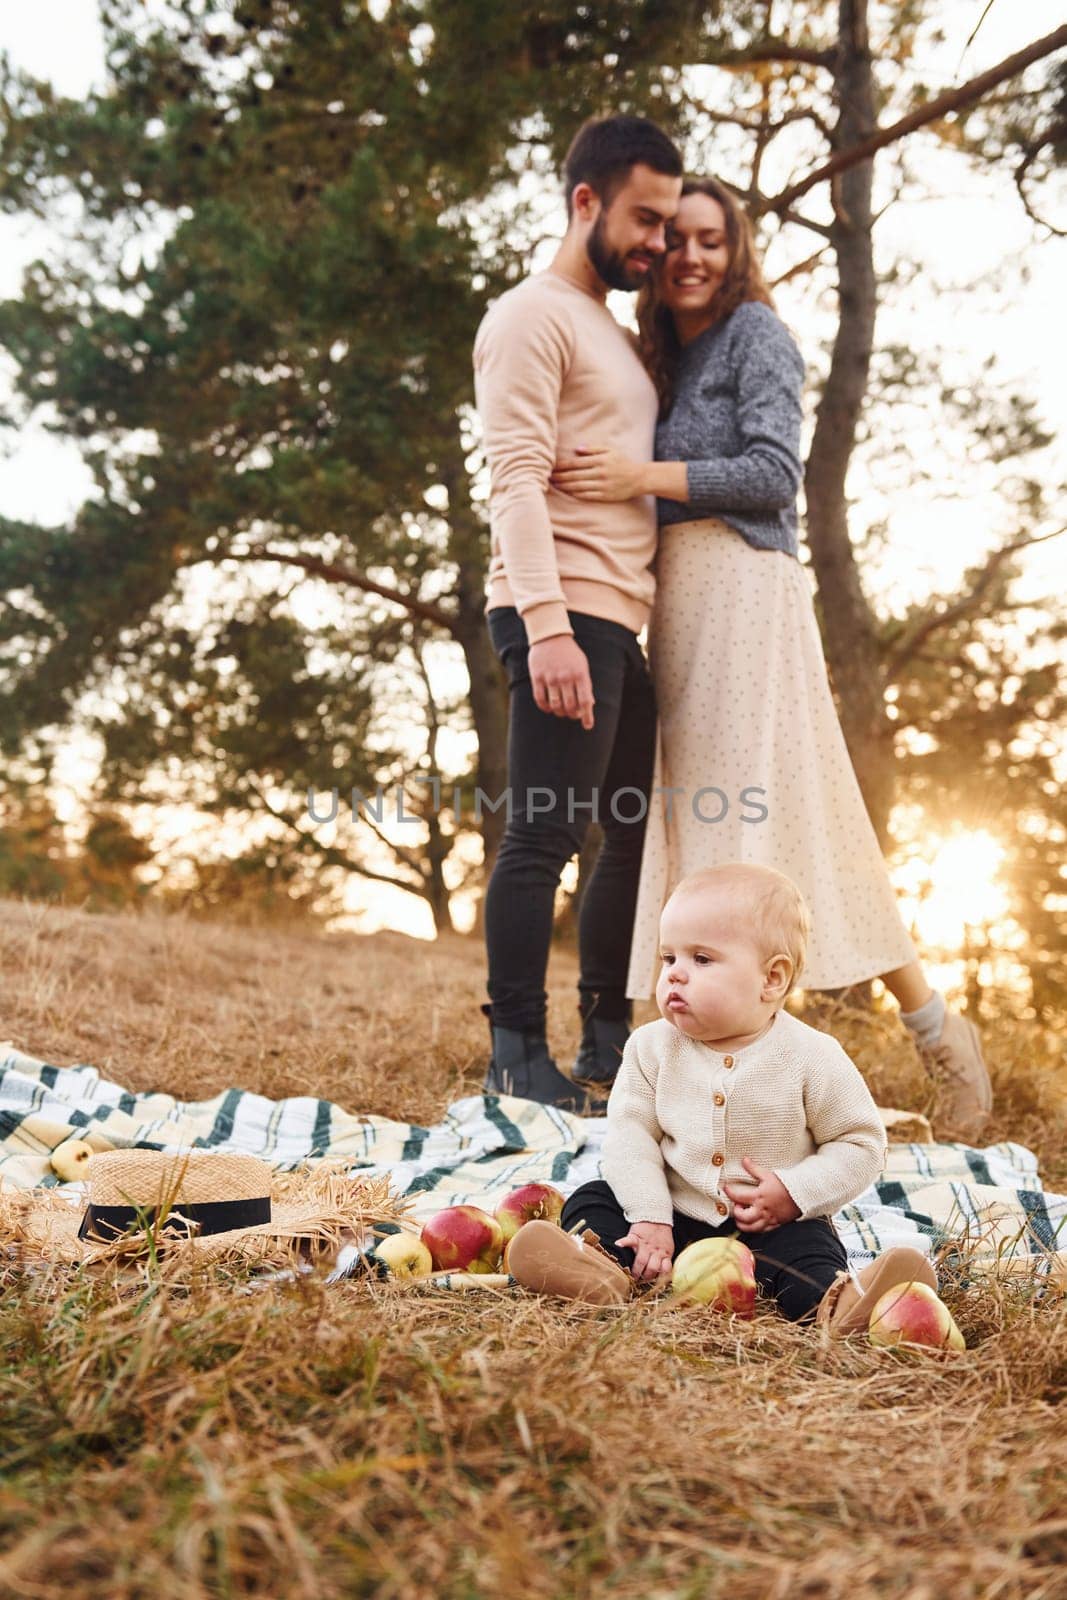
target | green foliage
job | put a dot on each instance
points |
(979, 752)
(1027, 135)
(32, 846)
(261, 884)
(40, 860)
(261, 336)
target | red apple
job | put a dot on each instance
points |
(534, 1201)
(912, 1314)
(463, 1239)
(717, 1272)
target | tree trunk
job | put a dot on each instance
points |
(565, 929)
(849, 629)
(438, 848)
(488, 692)
(488, 709)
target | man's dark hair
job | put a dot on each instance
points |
(605, 148)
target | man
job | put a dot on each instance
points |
(570, 587)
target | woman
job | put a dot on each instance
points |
(749, 740)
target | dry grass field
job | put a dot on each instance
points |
(309, 1441)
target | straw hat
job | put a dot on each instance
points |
(195, 1205)
(202, 1193)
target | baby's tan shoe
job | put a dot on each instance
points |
(545, 1259)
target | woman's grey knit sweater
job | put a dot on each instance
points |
(735, 420)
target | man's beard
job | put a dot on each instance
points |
(611, 265)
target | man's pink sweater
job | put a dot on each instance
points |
(553, 370)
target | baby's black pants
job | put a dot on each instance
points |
(795, 1263)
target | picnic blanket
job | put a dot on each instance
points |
(987, 1205)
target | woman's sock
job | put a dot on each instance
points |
(926, 1023)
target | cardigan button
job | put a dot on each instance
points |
(727, 1061)
(720, 1099)
(721, 1209)
(717, 1159)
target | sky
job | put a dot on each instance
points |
(984, 289)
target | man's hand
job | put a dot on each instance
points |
(596, 473)
(653, 1247)
(768, 1205)
(559, 677)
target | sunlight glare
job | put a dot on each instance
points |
(954, 887)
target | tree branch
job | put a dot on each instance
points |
(940, 106)
(408, 854)
(775, 50)
(770, 126)
(1052, 135)
(977, 28)
(762, 138)
(801, 267)
(330, 853)
(964, 607)
(333, 572)
(433, 717)
(821, 228)
(733, 118)
(751, 199)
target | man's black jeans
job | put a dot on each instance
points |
(557, 770)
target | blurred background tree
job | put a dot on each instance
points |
(284, 221)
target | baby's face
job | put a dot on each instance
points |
(712, 974)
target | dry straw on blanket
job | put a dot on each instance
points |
(166, 1207)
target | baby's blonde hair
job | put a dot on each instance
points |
(777, 910)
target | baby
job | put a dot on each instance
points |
(729, 1116)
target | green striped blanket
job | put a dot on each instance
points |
(988, 1202)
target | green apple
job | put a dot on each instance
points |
(405, 1255)
(70, 1160)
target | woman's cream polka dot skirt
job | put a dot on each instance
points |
(750, 742)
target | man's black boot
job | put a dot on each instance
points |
(521, 1065)
(600, 1052)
